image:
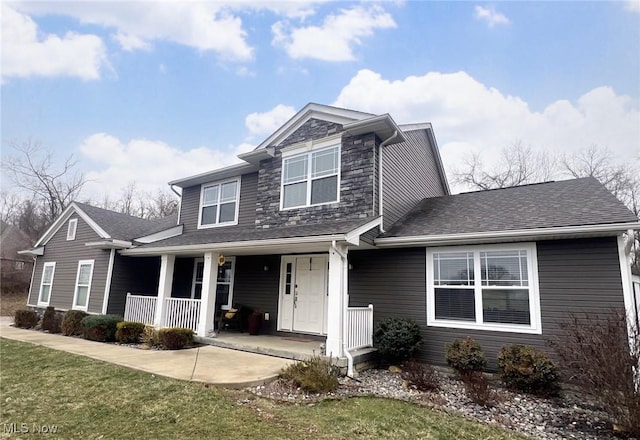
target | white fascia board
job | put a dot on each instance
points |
(109, 244)
(382, 125)
(309, 111)
(521, 234)
(38, 251)
(167, 233)
(214, 175)
(353, 237)
(231, 245)
(255, 156)
(60, 221)
(416, 126)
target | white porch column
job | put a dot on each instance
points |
(208, 302)
(338, 297)
(164, 286)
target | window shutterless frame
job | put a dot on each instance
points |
(215, 197)
(478, 284)
(46, 283)
(71, 229)
(82, 291)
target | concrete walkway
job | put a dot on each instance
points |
(207, 364)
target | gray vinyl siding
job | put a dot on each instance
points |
(410, 173)
(190, 204)
(580, 275)
(139, 275)
(256, 288)
(66, 255)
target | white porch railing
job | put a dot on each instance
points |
(140, 308)
(181, 312)
(359, 327)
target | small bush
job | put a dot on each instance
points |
(72, 323)
(175, 338)
(25, 318)
(476, 386)
(128, 332)
(525, 368)
(464, 355)
(599, 355)
(397, 339)
(50, 320)
(421, 376)
(101, 328)
(316, 375)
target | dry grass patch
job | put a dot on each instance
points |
(12, 301)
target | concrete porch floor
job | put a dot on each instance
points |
(297, 347)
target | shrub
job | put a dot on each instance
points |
(599, 355)
(476, 386)
(175, 338)
(50, 320)
(464, 355)
(72, 323)
(525, 368)
(316, 375)
(25, 318)
(100, 328)
(128, 332)
(421, 376)
(397, 339)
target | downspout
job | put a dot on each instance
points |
(345, 305)
(380, 199)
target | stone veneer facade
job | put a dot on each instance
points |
(357, 174)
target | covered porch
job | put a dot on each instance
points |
(301, 292)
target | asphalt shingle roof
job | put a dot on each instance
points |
(576, 202)
(223, 235)
(125, 227)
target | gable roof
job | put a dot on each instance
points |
(108, 224)
(12, 239)
(581, 204)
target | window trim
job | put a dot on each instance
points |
(72, 228)
(74, 304)
(219, 183)
(53, 273)
(233, 276)
(309, 151)
(535, 326)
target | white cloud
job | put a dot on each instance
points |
(206, 26)
(335, 38)
(263, 124)
(469, 116)
(112, 164)
(26, 53)
(490, 16)
(633, 5)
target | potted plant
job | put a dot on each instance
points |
(255, 322)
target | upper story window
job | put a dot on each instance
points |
(484, 287)
(219, 204)
(311, 178)
(71, 229)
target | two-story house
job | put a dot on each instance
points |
(339, 210)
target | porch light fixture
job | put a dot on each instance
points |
(265, 268)
(221, 260)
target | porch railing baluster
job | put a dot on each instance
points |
(359, 327)
(140, 308)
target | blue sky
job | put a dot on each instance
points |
(152, 91)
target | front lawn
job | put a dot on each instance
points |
(89, 399)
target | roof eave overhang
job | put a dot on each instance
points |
(254, 157)
(36, 252)
(505, 236)
(109, 244)
(383, 126)
(212, 176)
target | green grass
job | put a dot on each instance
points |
(90, 399)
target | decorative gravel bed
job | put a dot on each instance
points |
(571, 416)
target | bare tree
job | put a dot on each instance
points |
(33, 169)
(9, 206)
(518, 165)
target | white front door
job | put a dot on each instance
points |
(303, 292)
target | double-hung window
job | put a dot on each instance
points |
(83, 284)
(219, 204)
(71, 229)
(484, 287)
(46, 284)
(311, 178)
(224, 282)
